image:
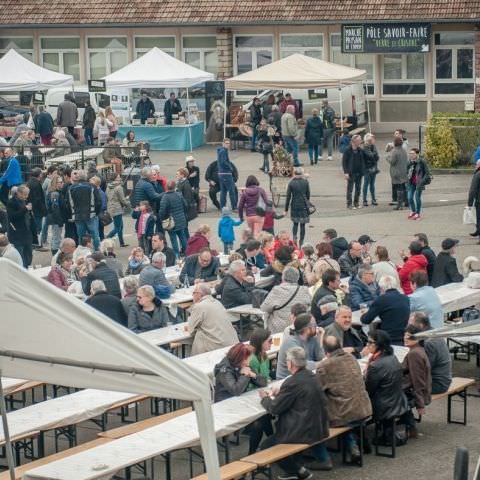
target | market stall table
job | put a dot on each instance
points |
(166, 137)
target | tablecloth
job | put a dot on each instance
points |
(167, 137)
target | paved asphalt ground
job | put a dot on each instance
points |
(431, 456)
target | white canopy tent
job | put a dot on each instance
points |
(50, 336)
(20, 74)
(298, 71)
(157, 69)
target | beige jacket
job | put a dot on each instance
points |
(211, 326)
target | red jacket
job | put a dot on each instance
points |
(277, 245)
(413, 264)
(196, 242)
(57, 278)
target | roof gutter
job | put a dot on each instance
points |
(228, 24)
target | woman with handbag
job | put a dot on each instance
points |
(264, 145)
(116, 203)
(253, 204)
(278, 302)
(298, 199)
(371, 168)
(418, 176)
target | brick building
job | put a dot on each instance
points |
(90, 39)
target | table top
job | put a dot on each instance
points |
(165, 335)
(246, 309)
(10, 384)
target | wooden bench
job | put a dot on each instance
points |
(123, 406)
(23, 389)
(264, 459)
(458, 387)
(136, 427)
(20, 471)
(232, 471)
(23, 442)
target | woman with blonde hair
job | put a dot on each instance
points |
(102, 128)
(109, 115)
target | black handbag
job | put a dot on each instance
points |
(258, 296)
(105, 218)
(311, 208)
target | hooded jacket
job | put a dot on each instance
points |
(414, 263)
(339, 245)
(249, 199)
(195, 243)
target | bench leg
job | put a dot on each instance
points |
(463, 396)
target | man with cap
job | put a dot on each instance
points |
(307, 335)
(474, 196)
(366, 242)
(445, 269)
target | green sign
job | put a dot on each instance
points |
(386, 38)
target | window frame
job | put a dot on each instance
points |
(454, 80)
(60, 52)
(295, 49)
(370, 83)
(169, 50)
(29, 51)
(108, 63)
(404, 80)
(201, 50)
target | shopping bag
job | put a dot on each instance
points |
(469, 216)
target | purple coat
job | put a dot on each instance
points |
(249, 199)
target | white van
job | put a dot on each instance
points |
(353, 100)
(80, 94)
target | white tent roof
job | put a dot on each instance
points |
(20, 74)
(49, 335)
(296, 71)
(157, 69)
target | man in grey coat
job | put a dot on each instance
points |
(154, 276)
(67, 114)
(289, 133)
(398, 160)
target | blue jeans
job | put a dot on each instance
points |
(313, 153)
(117, 228)
(414, 198)
(44, 232)
(90, 226)
(38, 228)
(182, 238)
(254, 137)
(227, 248)
(25, 252)
(328, 134)
(292, 147)
(88, 136)
(227, 185)
(56, 237)
(369, 181)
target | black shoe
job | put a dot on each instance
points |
(374, 202)
(365, 204)
(124, 245)
(392, 203)
(475, 234)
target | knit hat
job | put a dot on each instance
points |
(226, 212)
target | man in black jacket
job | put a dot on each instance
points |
(85, 203)
(325, 301)
(21, 224)
(107, 304)
(353, 162)
(39, 208)
(339, 244)
(200, 266)
(211, 176)
(99, 270)
(446, 270)
(474, 197)
(159, 245)
(428, 253)
(236, 288)
(300, 406)
(172, 107)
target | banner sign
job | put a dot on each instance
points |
(97, 86)
(386, 38)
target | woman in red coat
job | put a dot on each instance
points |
(59, 275)
(199, 240)
(416, 261)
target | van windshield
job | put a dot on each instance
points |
(80, 98)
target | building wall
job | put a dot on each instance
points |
(386, 110)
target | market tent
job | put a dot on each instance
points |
(297, 71)
(49, 335)
(20, 74)
(157, 69)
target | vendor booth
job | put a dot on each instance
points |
(298, 71)
(157, 69)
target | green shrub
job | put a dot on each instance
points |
(441, 149)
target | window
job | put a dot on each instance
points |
(252, 52)
(363, 61)
(144, 44)
(23, 45)
(61, 55)
(106, 55)
(306, 44)
(454, 68)
(201, 52)
(403, 74)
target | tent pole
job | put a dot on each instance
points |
(225, 113)
(341, 110)
(368, 107)
(6, 433)
(189, 124)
